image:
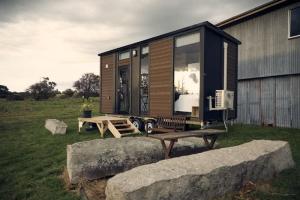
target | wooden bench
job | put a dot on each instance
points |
(173, 137)
(169, 124)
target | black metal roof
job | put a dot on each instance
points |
(195, 26)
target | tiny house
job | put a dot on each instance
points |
(183, 72)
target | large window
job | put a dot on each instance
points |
(294, 22)
(144, 80)
(187, 74)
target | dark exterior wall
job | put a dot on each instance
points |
(232, 70)
(161, 77)
(135, 79)
(268, 70)
(107, 82)
(213, 71)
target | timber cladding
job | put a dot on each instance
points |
(161, 77)
(124, 62)
(107, 84)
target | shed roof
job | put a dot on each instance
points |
(195, 26)
(260, 10)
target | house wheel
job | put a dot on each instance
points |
(138, 123)
(148, 125)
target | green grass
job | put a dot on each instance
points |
(32, 160)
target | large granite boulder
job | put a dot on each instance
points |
(202, 176)
(101, 158)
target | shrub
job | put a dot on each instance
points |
(68, 92)
(14, 96)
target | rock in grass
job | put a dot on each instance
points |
(101, 158)
(202, 176)
(55, 126)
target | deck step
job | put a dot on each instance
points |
(129, 134)
(121, 125)
(118, 122)
(126, 129)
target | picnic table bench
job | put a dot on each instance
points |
(168, 124)
(173, 137)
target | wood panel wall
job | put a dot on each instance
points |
(107, 95)
(161, 77)
(124, 62)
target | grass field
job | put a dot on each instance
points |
(32, 160)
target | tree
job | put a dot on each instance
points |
(68, 92)
(42, 90)
(87, 85)
(4, 92)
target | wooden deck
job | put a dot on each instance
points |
(118, 126)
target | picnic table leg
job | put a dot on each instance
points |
(168, 149)
(210, 144)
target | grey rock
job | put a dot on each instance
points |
(101, 158)
(202, 176)
(55, 126)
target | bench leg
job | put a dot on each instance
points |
(168, 150)
(210, 144)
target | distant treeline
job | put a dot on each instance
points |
(87, 86)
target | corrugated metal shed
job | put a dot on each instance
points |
(266, 50)
(267, 101)
(268, 69)
(270, 101)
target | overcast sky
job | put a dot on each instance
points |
(60, 39)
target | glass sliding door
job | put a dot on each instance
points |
(187, 74)
(144, 80)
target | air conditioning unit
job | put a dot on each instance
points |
(223, 100)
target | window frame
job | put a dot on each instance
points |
(140, 75)
(123, 52)
(199, 31)
(289, 23)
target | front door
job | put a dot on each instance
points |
(123, 90)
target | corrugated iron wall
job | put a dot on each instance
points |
(266, 50)
(268, 70)
(270, 101)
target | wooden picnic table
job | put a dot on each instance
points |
(173, 137)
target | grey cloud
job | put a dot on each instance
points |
(122, 12)
(143, 19)
(132, 20)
